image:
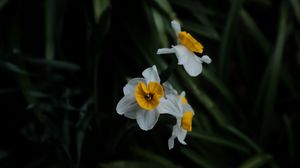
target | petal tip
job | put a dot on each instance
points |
(206, 59)
(176, 26)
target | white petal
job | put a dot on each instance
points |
(165, 51)
(132, 114)
(191, 62)
(187, 107)
(127, 105)
(170, 106)
(171, 142)
(147, 119)
(169, 88)
(181, 96)
(179, 133)
(192, 66)
(151, 74)
(176, 26)
(172, 138)
(129, 88)
(182, 54)
(205, 59)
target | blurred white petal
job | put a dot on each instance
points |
(127, 105)
(181, 136)
(165, 51)
(170, 106)
(176, 26)
(205, 59)
(147, 119)
(182, 54)
(169, 88)
(129, 88)
(151, 74)
(192, 66)
(171, 142)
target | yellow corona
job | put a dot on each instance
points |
(186, 120)
(148, 96)
(190, 42)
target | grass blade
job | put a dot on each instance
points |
(202, 97)
(290, 137)
(219, 141)
(212, 78)
(13, 68)
(228, 34)
(50, 12)
(99, 7)
(256, 32)
(160, 160)
(196, 158)
(245, 138)
(274, 65)
(296, 6)
(256, 161)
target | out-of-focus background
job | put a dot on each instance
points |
(63, 64)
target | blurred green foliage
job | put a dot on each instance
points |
(64, 63)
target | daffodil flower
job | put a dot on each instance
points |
(185, 51)
(184, 114)
(143, 99)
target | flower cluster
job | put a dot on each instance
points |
(146, 98)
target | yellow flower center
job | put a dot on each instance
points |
(190, 42)
(184, 100)
(186, 120)
(148, 96)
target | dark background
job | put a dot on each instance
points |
(63, 65)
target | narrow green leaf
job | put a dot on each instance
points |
(202, 97)
(166, 7)
(146, 44)
(194, 6)
(256, 161)
(50, 12)
(208, 26)
(290, 137)
(36, 94)
(228, 36)
(55, 64)
(245, 138)
(154, 158)
(297, 38)
(219, 141)
(202, 30)
(274, 64)
(212, 78)
(263, 2)
(256, 32)
(79, 142)
(296, 6)
(160, 28)
(99, 7)
(128, 164)
(196, 158)
(8, 90)
(14, 68)
(2, 3)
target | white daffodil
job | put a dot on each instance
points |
(184, 51)
(184, 114)
(143, 99)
